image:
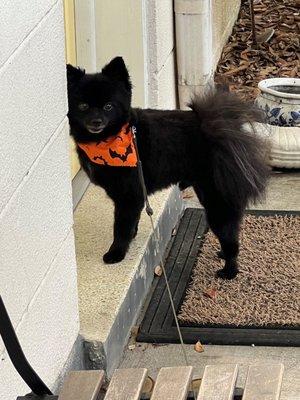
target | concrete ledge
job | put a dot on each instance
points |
(110, 297)
(74, 362)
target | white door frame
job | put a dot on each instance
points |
(90, 26)
(85, 34)
(86, 58)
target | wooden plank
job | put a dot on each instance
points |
(172, 383)
(82, 385)
(218, 382)
(126, 384)
(263, 382)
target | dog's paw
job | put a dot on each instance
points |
(114, 256)
(227, 273)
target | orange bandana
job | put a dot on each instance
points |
(115, 151)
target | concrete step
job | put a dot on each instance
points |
(110, 296)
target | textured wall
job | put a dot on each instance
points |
(224, 14)
(119, 32)
(37, 257)
(142, 32)
(160, 44)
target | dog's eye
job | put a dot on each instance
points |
(83, 106)
(108, 107)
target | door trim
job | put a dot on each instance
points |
(85, 34)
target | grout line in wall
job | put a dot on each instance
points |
(28, 36)
(28, 173)
(39, 287)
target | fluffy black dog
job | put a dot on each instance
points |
(206, 148)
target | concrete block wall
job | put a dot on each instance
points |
(37, 256)
(160, 57)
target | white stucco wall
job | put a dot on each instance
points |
(37, 256)
(159, 54)
(142, 32)
(119, 32)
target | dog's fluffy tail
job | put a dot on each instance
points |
(237, 155)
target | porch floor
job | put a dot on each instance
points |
(283, 194)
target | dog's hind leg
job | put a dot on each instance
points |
(224, 221)
(227, 232)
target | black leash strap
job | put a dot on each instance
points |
(156, 237)
(17, 356)
(149, 210)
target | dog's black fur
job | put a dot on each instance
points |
(205, 148)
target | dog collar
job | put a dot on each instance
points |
(115, 151)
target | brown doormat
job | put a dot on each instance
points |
(261, 306)
(266, 292)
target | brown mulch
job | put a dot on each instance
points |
(243, 65)
(266, 291)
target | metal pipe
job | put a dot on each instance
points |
(194, 47)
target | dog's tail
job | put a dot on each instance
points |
(237, 156)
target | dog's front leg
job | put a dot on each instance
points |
(127, 215)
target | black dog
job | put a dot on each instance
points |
(206, 148)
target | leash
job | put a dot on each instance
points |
(17, 356)
(149, 211)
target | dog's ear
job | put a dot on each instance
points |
(116, 69)
(74, 74)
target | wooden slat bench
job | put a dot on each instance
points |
(172, 383)
(218, 383)
(126, 384)
(263, 382)
(82, 385)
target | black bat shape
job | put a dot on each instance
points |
(100, 158)
(123, 157)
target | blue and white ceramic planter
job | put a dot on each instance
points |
(280, 99)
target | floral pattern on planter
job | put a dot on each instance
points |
(277, 116)
(280, 116)
(279, 98)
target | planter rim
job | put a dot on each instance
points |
(264, 86)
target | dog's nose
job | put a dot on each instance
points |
(96, 121)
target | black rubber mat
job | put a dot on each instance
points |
(158, 324)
